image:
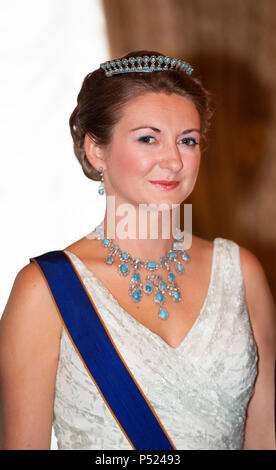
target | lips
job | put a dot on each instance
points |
(165, 185)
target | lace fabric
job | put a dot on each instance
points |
(199, 390)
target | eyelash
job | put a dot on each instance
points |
(191, 140)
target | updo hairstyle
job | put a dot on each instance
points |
(101, 101)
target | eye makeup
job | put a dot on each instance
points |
(144, 138)
(190, 141)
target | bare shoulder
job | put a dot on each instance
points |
(30, 308)
(260, 302)
(255, 279)
(251, 265)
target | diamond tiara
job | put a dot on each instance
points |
(144, 64)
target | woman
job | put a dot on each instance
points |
(197, 353)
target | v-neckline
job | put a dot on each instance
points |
(148, 330)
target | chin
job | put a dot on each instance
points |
(169, 201)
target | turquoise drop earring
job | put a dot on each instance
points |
(101, 189)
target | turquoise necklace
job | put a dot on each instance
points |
(154, 284)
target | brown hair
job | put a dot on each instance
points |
(101, 101)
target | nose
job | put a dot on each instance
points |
(171, 158)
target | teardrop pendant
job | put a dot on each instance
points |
(163, 314)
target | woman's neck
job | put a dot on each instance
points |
(143, 240)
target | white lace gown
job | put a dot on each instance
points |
(199, 391)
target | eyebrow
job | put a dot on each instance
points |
(186, 131)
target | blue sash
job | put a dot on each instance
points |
(99, 354)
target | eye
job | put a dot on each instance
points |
(145, 139)
(190, 141)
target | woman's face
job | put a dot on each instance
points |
(156, 139)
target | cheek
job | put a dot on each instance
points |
(129, 162)
(193, 163)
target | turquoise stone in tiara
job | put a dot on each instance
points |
(144, 64)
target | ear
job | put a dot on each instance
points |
(94, 153)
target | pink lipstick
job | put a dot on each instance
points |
(165, 185)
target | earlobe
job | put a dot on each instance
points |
(93, 152)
